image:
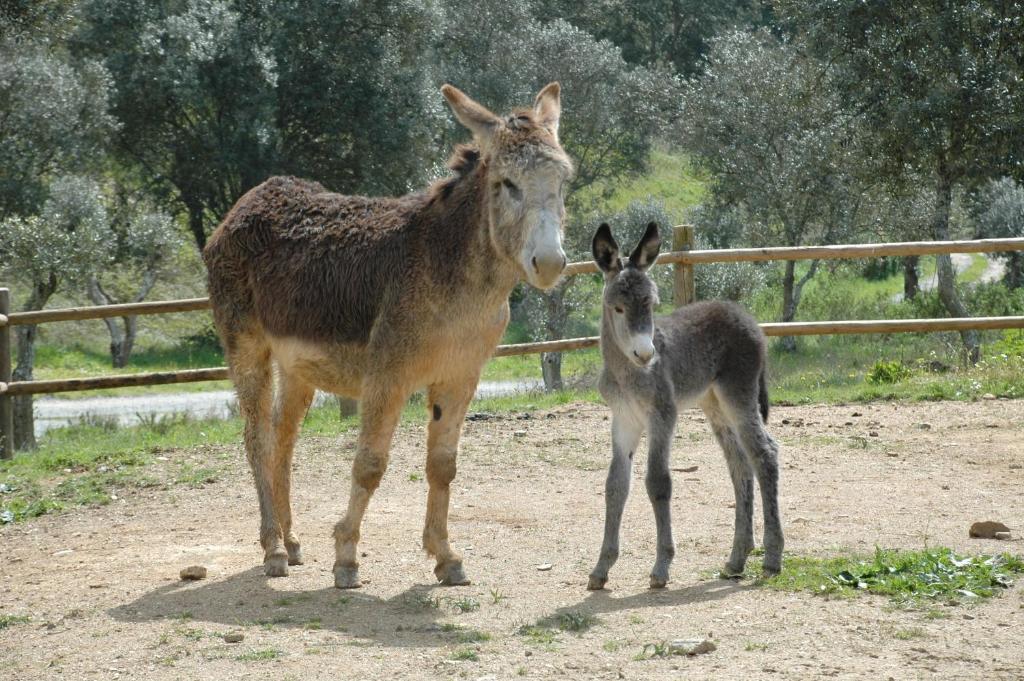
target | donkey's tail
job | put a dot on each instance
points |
(762, 396)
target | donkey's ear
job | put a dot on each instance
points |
(646, 252)
(548, 107)
(606, 251)
(481, 122)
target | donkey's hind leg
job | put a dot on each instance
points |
(763, 453)
(250, 368)
(293, 399)
(743, 486)
(448, 405)
(626, 433)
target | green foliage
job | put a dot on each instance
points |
(887, 373)
(907, 577)
(8, 620)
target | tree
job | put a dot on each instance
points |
(215, 96)
(764, 122)
(677, 33)
(937, 85)
(66, 240)
(143, 245)
(998, 213)
(53, 120)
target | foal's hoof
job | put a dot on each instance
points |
(658, 582)
(275, 566)
(294, 554)
(346, 577)
(596, 583)
(451, 574)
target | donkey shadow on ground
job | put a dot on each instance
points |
(413, 618)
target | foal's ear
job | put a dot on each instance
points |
(481, 122)
(646, 252)
(548, 107)
(606, 251)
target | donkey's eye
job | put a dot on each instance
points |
(619, 309)
(513, 190)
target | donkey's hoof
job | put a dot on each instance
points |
(294, 554)
(658, 582)
(596, 583)
(451, 574)
(275, 566)
(346, 577)
(772, 570)
(730, 572)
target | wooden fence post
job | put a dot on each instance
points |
(683, 289)
(6, 409)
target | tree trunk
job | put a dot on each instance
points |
(944, 265)
(792, 291)
(196, 225)
(24, 417)
(122, 342)
(555, 318)
(910, 276)
(1014, 265)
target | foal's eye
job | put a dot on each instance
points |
(513, 190)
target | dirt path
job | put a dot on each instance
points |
(101, 587)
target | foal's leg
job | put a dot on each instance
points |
(742, 483)
(448, 405)
(249, 361)
(293, 399)
(626, 433)
(380, 406)
(764, 457)
(659, 491)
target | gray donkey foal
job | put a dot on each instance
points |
(709, 353)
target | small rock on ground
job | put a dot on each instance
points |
(193, 572)
(234, 637)
(987, 529)
(691, 646)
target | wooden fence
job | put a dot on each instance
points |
(682, 256)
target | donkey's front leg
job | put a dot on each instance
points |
(626, 433)
(659, 490)
(448, 405)
(381, 407)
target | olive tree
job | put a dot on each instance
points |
(937, 85)
(765, 124)
(143, 245)
(55, 248)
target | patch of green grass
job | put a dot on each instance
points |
(909, 634)
(497, 596)
(909, 578)
(422, 601)
(10, 620)
(463, 635)
(612, 645)
(260, 655)
(464, 604)
(465, 655)
(752, 646)
(537, 634)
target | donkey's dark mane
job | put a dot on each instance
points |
(462, 163)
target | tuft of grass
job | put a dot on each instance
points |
(465, 655)
(465, 604)
(752, 646)
(260, 655)
(537, 634)
(421, 601)
(496, 596)
(466, 635)
(909, 634)
(10, 620)
(909, 578)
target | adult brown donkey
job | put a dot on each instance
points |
(373, 298)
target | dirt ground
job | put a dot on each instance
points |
(101, 585)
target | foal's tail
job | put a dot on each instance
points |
(762, 396)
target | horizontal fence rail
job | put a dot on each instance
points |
(684, 259)
(845, 252)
